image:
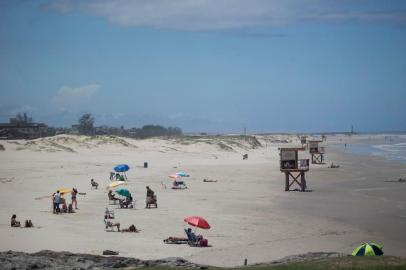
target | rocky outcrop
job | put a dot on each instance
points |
(47, 259)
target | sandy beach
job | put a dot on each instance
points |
(250, 213)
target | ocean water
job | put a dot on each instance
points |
(390, 148)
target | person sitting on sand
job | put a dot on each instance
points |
(28, 224)
(111, 175)
(93, 184)
(132, 228)
(112, 197)
(64, 205)
(14, 222)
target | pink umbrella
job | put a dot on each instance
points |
(198, 222)
(174, 176)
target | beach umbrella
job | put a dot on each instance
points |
(115, 184)
(368, 249)
(123, 192)
(121, 168)
(198, 222)
(174, 176)
(183, 174)
(64, 190)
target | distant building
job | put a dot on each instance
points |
(23, 130)
(74, 129)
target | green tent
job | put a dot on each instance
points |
(368, 249)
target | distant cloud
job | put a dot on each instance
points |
(203, 15)
(70, 96)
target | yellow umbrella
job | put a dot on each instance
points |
(116, 184)
(65, 190)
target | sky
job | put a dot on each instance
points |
(207, 65)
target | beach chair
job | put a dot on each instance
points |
(112, 199)
(152, 201)
(109, 214)
(196, 241)
(94, 184)
(127, 204)
(109, 226)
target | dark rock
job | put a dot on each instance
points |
(110, 252)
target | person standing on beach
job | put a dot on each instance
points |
(74, 193)
(56, 200)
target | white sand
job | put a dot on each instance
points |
(250, 213)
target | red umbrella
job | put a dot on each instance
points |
(197, 222)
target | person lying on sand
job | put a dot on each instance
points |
(132, 228)
(207, 180)
(176, 240)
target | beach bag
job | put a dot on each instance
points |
(204, 243)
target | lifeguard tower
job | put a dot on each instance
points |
(293, 167)
(316, 151)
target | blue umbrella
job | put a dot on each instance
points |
(183, 174)
(123, 192)
(121, 168)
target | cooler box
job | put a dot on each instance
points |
(204, 242)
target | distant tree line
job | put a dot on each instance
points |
(23, 118)
(157, 130)
(86, 127)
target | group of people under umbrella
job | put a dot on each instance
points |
(178, 183)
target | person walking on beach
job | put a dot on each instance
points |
(74, 193)
(56, 200)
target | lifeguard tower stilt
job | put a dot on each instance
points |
(316, 151)
(293, 168)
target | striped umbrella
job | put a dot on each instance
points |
(174, 176)
(368, 249)
(115, 184)
(64, 190)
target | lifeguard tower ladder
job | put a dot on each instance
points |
(293, 167)
(316, 151)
